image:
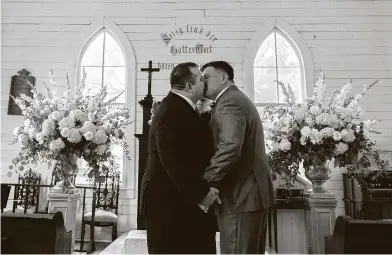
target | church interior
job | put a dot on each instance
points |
(131, 47)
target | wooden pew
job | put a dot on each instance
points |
(34, 234)
(360, 237)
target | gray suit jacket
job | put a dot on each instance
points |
(239, 167)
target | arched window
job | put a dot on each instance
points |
(103, 60)
(276, 60)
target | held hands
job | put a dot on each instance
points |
(211, 198)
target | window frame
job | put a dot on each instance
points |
(81, 180)
(275, 30)
(303, 54)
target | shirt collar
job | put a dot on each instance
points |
(186, 99)
(223, 90)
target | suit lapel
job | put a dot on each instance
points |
(181, 102)
(217, 104)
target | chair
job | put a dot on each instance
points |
(104, 208)
(27, 197)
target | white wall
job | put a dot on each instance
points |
(347, 39)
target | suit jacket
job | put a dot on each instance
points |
(240, 167)
(179, 150)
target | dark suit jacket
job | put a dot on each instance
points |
(179, 150)
(239, 168)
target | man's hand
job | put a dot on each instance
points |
(211, 197)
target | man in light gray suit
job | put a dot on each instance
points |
(239, 167)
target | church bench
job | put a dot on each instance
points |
(360, 237)
(34, 234)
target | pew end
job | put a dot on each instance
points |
(359, 237)
(34, 234)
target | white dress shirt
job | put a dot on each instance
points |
(186, 99)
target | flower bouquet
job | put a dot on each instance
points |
(312, 134)
(59, 130)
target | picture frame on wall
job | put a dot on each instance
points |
(19, 85)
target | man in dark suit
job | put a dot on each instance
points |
(239, 168)
(173, 192)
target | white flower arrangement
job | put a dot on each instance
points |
(59, 130)
(302, 132)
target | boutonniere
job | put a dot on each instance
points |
(204, 105)
(154, 109)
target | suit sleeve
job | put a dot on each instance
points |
(171, 138)
(230, 124)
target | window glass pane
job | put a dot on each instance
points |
(113, 53)
(94, 53)
(118, 152)
(265, 56)
(265, 85)
(290, 76)
(114, 78)
(93, 79)
(285, 53)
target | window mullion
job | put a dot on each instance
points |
(103, 58)
(276, 68)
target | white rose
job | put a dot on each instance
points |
(67, 122)
(100, 149)
(64, 132)
(348, 136)
(56, 115)
(305, 132)
(89, 135)
(40, 138)
(328, 132)
(48, 126)
(77, 114)
(100, 137)
(88, 126)
(285, 145)
(302, 140)
(316, 137)
(315, 110)
(337, 136)
(74, 136)
(341, 148)
(57, 144)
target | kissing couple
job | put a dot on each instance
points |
(201, 174)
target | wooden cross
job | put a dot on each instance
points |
(150, 70)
